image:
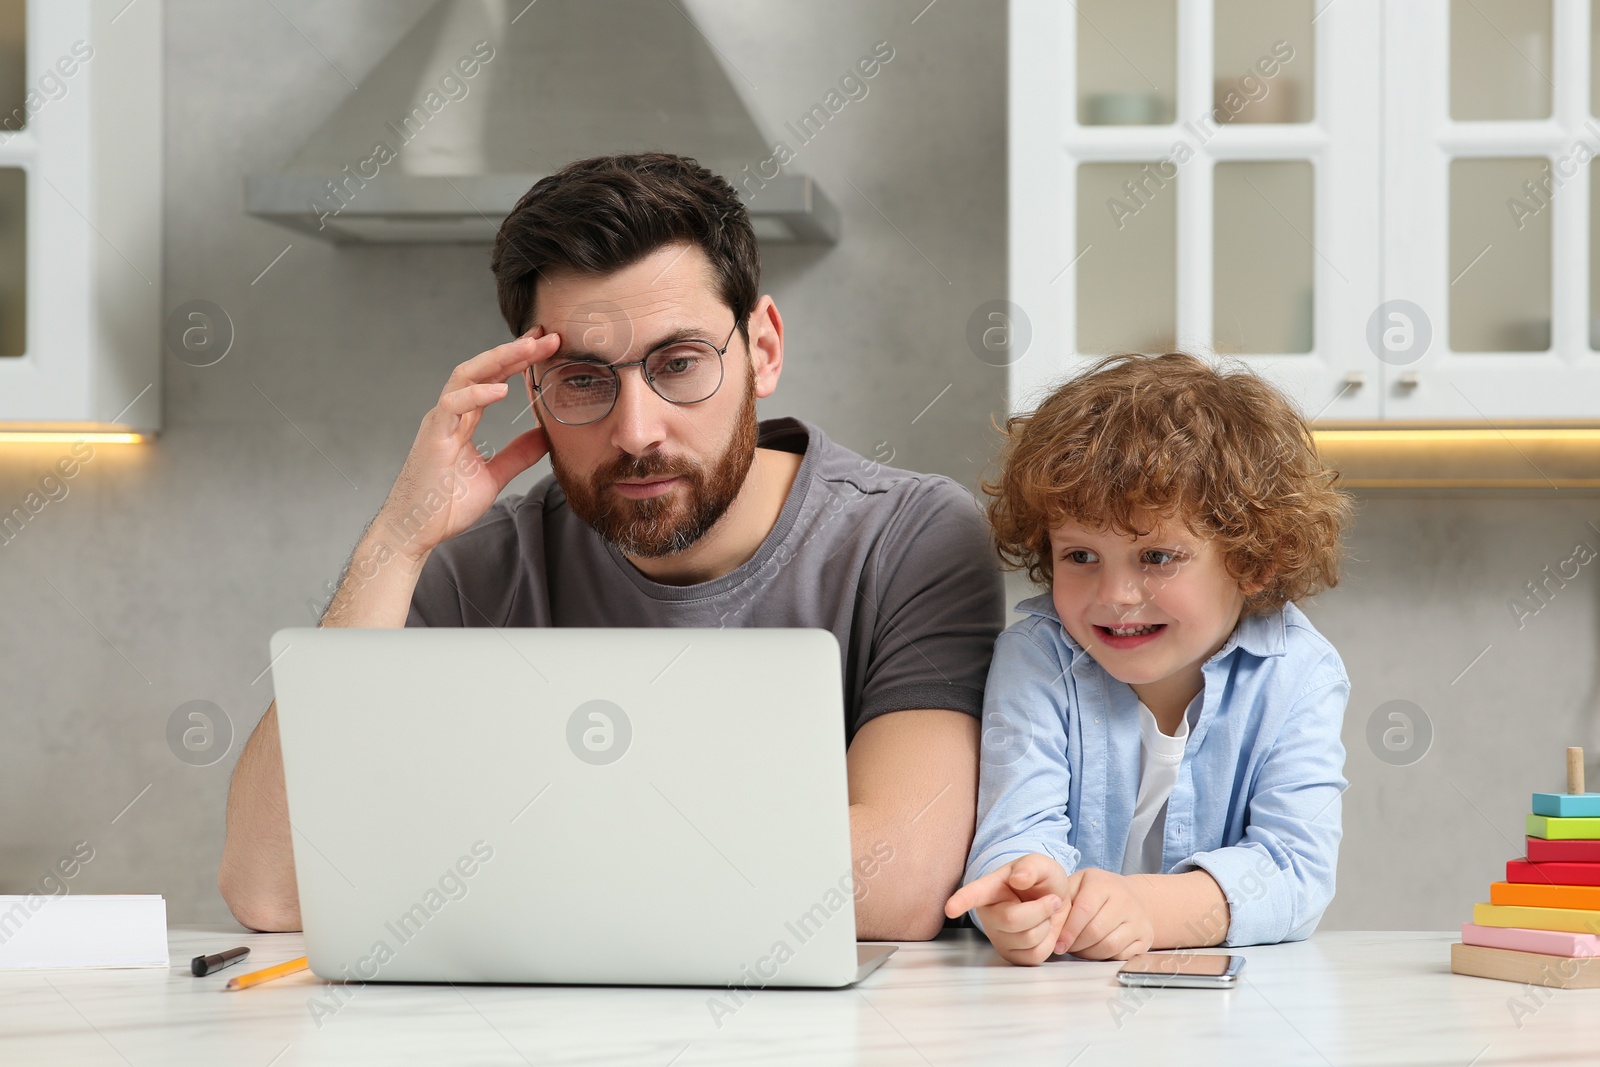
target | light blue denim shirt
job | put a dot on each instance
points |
(1257, 801)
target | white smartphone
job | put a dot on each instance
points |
(1188, 970)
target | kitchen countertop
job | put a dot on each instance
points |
(1341, 997)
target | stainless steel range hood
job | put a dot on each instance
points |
(484, 97)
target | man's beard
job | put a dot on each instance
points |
(658, 526)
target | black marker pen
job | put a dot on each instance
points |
(204, 965)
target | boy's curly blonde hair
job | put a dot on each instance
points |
(1138, 440)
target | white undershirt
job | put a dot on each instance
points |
(1159, 757)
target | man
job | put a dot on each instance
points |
(630, 283)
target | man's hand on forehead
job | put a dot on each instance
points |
(534, 347)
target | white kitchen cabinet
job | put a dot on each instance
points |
(1346, 220)
(80, 215)
(1493, 95)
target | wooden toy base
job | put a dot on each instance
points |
(1534, 968)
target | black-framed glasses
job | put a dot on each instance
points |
(582, 391)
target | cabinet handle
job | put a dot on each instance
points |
(1408, 379)
(1355, 379)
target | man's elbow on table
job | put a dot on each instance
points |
(922, 926)
(905, 914)
(264, 912)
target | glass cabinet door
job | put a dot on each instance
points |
(1500, 53)
(80, 216)
(1498, 259)
(1127, 62)
(1489, 208)
(1264, 262)
(13, 181)
(1386, 205)
(13, 262)
(1263, 61)
(1177, 170)
(1127, 222)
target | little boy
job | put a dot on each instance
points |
(1161, 757)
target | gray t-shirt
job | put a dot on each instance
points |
(897, 564)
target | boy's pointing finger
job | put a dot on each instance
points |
(990, 889)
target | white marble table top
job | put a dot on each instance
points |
(1339, 998)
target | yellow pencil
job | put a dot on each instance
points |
(266, 974)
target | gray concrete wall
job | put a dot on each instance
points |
(159, 578)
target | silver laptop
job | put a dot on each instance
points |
(595, 806)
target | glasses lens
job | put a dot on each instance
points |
(686, 372)
(579, 392)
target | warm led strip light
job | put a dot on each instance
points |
(1474, 435)
(1461, 457)
(61, 437)
(1395, 436)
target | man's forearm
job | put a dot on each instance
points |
(903, 877)
(256, 876)
(1188, 910)
(913, 795)
(376, 588)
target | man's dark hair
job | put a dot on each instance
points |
(599, 215)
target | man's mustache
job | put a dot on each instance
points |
(634, 468)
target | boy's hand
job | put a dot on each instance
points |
(1021, 906)
(1106, 919)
